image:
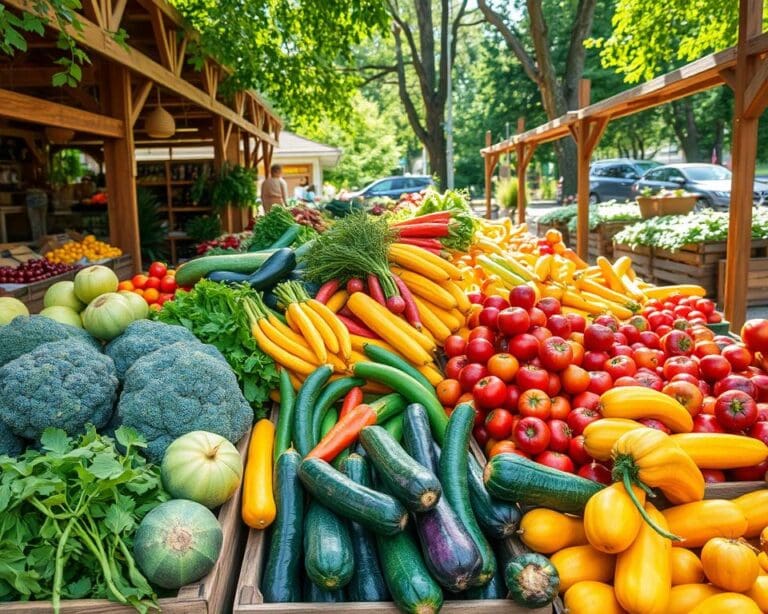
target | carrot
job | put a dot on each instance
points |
(437, 216)
(411, 309)
(353, 399)
(424, 230)
(375, 290)
(356, 327)
(327, 290)
(344, 433)
(425, 243)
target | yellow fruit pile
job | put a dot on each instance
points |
(89, 248)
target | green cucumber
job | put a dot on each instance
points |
(388, 406)
(411, 483)
(329, 421)
(417, 437)
(413, 589)
(288, 237)
(513, 478)
(499, 519)
(394, 426)
(374, 510)
(285, 417)
(383, 356)
(329, 395)
(328, 558)
(280, 582)
(367, 582)
(303, 437)
(314, 594)
(532, 580)
(189, 273)
(410, 388)
(453, 476)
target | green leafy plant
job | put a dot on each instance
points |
(236, 186)
(203, 227)
(200, 192)
(506, 193)
(151, 233)
(67, 167)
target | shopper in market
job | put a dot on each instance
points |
(274, 190)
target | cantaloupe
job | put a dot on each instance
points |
(176, 543)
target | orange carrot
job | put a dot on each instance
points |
(353, 399)
(344, 433)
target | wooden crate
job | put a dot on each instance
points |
(540, 230)
(601, 239)
(642, 259)
(731, 490)
(122, 266)
(757, 282)
(211, 594)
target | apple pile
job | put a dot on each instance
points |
(534, 373)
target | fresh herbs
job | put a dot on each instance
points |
(211, 311)
(68, 513)
(610, 211)
(464, 223)
(270, 227)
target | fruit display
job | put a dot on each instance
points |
(89, 250)
(34, 270)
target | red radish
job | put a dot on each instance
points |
(357, 327)
(396, 304)
(355, 285)
(424, 230)
(326, 290)
(374, 289)
(437, 216)
(429, 244)
(411, 310)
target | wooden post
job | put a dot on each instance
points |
(120, 163)
(749, 101)
(488, 174)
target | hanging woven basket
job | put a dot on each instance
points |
(160, 124)
(58, 136)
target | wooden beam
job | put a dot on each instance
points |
(488, 173)
(120, 162)
(94, 38)
(15, 77)
(81, 95)
(38, 111)
(139, 99)
(744, 152)
(756, 95)
(116, 15)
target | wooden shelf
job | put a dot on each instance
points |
(184, 238)
(185, 209)
(150, 183)
(181, 182)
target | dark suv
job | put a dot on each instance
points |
(392, 187)
(613, 179)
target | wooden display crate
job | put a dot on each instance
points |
(540, 229)
(601, 239)
(211, 594)
(122, 266)
(757, 282)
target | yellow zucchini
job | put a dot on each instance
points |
(722, 450)
(600, 435)
(700, 521)
(581, 563)
(754, 506)
(634, 402)
(591, 598)
(686, 567)
(611, 520)
(727, 603)
(684, 597)
(548, 531)
(258, 502)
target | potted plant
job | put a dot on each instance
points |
(666, 202)
(235, 186)
(66, 169)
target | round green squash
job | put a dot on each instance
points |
(176, 543)
(532, 580)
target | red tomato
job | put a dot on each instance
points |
(760, 380)
(152, 283)
(498, 424)
(168, 284)
(535, 403)
(503, 366)
(556, 460)
(549, 305)
(554, 385)
(738, 355)
(576, 450)
(652, 423)
(489, 317)
(596, 472)
(480, 350)
(749, 474)
(647, 357)
(735, 410)
(578, 322)
(687, 394)
(754, 333)
(448, 392)
(480, 435)
(759, 430)
(705, 347)
(575, 379)
(580, 417)
(524, 347)
(531, 376)
(489, 392)
(598, 338)
(157, 269)
(705, 306)
(707, 423)
(620, 366)
(164, 297)
(713, 476)
(454, 346)
(513, 397)
(735, 382)
(513, 321)
(713, 367)
(677, 343)
(631, 334)
(560, 435)
(639, 323)
(587, 399)
(680, 364)
(649, 379)
(139, 281)
(470, 375)
(522, 296)
(481, 332)
(504, 447)
(454, 365)
(532, 435)
(555, 353)
(560, 325)
(625, 381)
(499, 302)
(650, 339)
(599, 382)
(594, 361)
(541, 333)
(537, 316)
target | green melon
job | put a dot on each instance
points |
(176, 543)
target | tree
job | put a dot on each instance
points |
(558, 88)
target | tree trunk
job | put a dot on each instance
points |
(565, 149)
(686, 131)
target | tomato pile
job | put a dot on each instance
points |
(535, 372)
(157, 286)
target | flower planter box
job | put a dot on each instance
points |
(757, 282)
(671, 205)
(211, 594)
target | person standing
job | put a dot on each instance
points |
(274, 190)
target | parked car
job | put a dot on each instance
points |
(711, 182)
(613, 179)
(392, 187)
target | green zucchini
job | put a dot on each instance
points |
(381, 355)
(303, 437)
(388, 406)
(374, 510)
(411, 483)
(189, 273)
(288, 237)
(499, 519)
(314, 594)
(367, 582)
(329, 395)
(453, 475)
(285, 417)
(413, 589)
(513, 478)
(394, 426)
(417, 437)
(329, 421)
(532, 580)
(328, 558)
(281, 581)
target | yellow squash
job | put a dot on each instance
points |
(684, 597)
(686, 567)
(601, 435)
(591, 598)
(754, 506)
(727, 603)
(759, 592)
(762, 558)
(698, 522)
(581, 563)
(258, 504)
(611, 519)
(643, 577)
(634, 402)
(548, 531)
(722, 450)
(730, 564)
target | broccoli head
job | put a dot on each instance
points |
(24, 333)
(178, 389)
(143, 337)
(61, 384)
(9, 443)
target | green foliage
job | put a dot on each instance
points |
(549, 189)
(236, 186)
(69, 514)
(204, 227)
(270, 227)
(506, 193)
(151, 233)
(461, 231)
(66, 167)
